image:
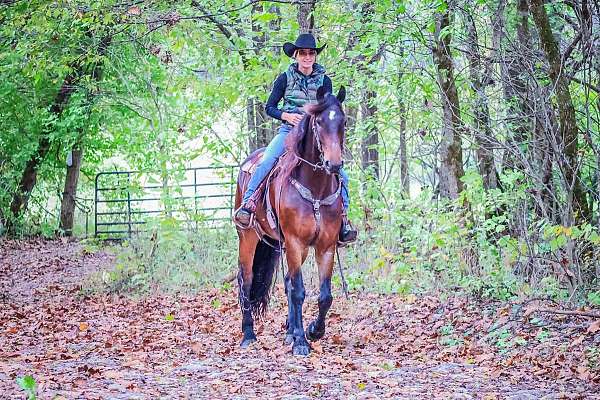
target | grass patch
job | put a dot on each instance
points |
(169, 259)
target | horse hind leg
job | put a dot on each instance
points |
(325, 260)
(247, 247)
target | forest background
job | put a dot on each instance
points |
(473, 132)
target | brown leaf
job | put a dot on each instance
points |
(112, 374)
(483, 357)
(337, 339)
(317, 348)
(577, 341)
(197, 348)
(594, 327)
(235, 389)
(83, 326)
(134, 10)
(529, 310)
(490, 396)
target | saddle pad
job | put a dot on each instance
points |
(251, 165)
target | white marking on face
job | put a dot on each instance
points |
(332, 115)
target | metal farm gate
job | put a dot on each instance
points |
(127, 200)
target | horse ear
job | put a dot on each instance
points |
(321, 93)
(341, 96)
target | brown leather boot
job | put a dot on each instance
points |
(347, 233)
(243, 215)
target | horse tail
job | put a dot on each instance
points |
(264, 266)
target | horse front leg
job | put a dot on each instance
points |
(325, 260)
(247, 247)
(294, 286)
(289, 328)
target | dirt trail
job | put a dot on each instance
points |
(109, 347)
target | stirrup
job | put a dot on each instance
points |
(341, 243)
(346, 222)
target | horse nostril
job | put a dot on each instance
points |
(327, 164)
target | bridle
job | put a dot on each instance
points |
(317, 136)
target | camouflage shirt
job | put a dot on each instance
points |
(296, 90)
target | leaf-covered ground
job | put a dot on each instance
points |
(376, 346)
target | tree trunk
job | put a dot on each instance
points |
(404, 177)
(306, 18)
(69, 86)
(402, 148)
(370, 152)
(528, 147)
(351, 118)
(67, 206)
(259, 124)
(568, 131)
(263, 131)
(252, 142)
(542, 155)
(483, 133)
(514, 67)
(451, 168)
(29, 176)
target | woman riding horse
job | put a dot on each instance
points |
(297, 87)
(304, 198)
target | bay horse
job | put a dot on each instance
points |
(303, 196)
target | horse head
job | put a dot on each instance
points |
(328, 128)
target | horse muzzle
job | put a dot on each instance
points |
(333, 168)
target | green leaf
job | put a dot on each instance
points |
(27, 383)
(265, 17)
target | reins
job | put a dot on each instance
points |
(320, 164)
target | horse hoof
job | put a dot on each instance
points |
(289, 339)
(313, 333)
(301, 350)
(247, 342)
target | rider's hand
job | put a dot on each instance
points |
(292, 118)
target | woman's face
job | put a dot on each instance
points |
(306, 58)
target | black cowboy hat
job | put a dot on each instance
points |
(304, 41)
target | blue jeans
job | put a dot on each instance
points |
(273, 151)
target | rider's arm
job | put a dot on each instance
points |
(276, 95)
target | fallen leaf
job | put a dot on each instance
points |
(594, 327)
(112, 374)
(134, 10)
(337, 339)
(483, 357)
(577, 341)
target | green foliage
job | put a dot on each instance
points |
(593, 357)
(448, 336)
(419, 245)
(28, 384)
(169, 258)
(171, 91)
(594, 297)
